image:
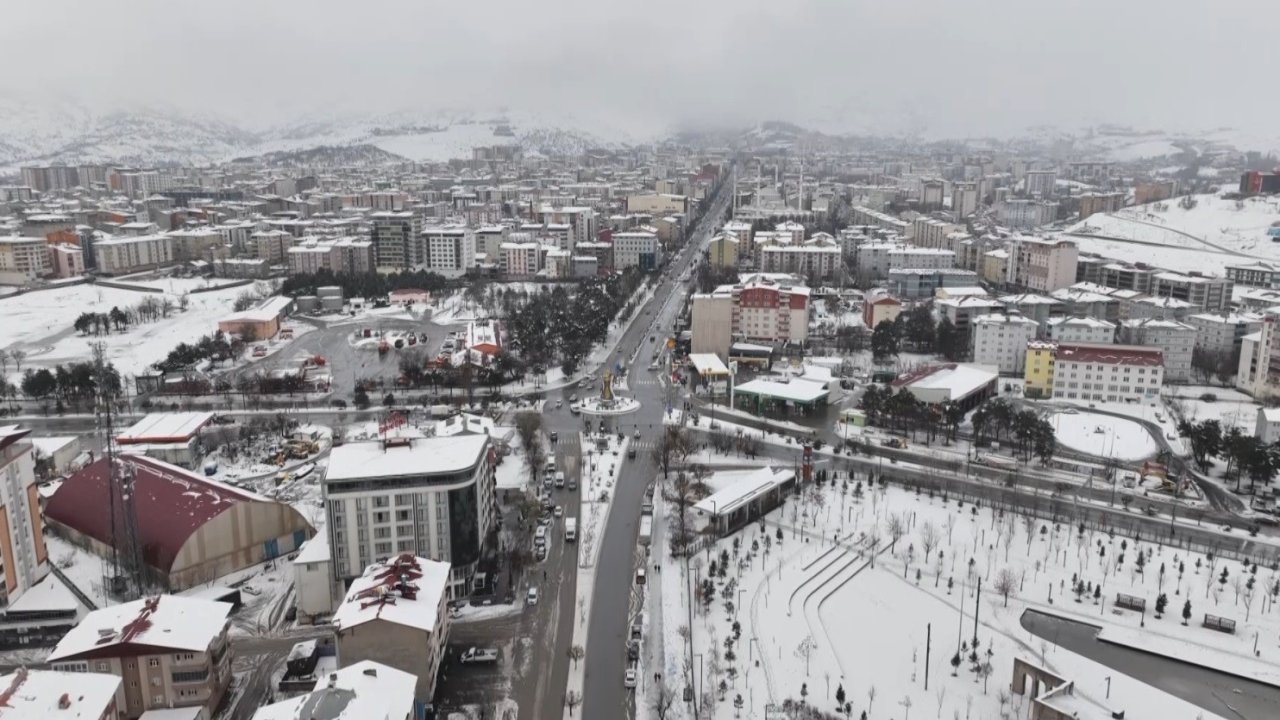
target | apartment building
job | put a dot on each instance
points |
(1107, 373)
(120, 255)
(1040, 308)
(1205, 292)
(861, 215)
(1084, 329)
(431, 496)
(1041, 183)
(66, 261)
(23, 259)
(1255, 274)
(1259, 370)
(195, 244)
(170, 651)
(1000, 340)
(817, 257)
(451, 250)
(520, 259)
(22, 550)
(880, 308)
(757, 310)
(270, 245)
(1037, 376)
(397, 241)
(1093, 203)
(1223, 332)
(359, 691)
(722, 252)
(657, 204)
(1176, 340)
(1022, 214)
(915, 284)
(1042, 264)
(489, 239)
(964, 199)
(1085, 303)
(875, 260)
(54, 695)
(396, 613)
(636, 249)
(962, 311)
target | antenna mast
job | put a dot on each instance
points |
(124, 577)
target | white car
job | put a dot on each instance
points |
(559, 511)
(629, 679)
(532, 597)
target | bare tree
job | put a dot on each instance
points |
(1006, 584)
(4, 361)
(572, 699)
(576, 653)
(18, 356)
(673, 446)
(896, 527)
(663, 700)
(930, 536)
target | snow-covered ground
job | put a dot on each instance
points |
(1103, 435)
(40, 323)
(1231, 407)
(816, 616)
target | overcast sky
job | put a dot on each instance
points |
(946, 67)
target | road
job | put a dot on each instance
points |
(604, 694)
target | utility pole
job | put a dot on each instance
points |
(928, 643)
(976, 601)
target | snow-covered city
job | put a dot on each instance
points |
(589, 362)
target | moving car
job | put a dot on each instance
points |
(629, 679)
(532, 597)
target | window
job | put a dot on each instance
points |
(102, 666)
(381, 517)
(380, 502)
(381, 533)
(153, 662)
(382, 548)
(157, 700)
(190, 676)
(403, 515)
(404, 499)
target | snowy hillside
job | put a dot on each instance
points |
(71, 133)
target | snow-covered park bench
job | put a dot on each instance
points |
(1131, 602)
(1221, 624)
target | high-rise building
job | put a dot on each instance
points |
(22, 551)
(397, 241)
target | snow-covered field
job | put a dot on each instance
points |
(1232, 408)
(1202, 238)
(41, 324)
(817, 617)
(1103, 435)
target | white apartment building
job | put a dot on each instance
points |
(636, 249)
(520, 259)
(866, 216)
(1175, 339)
(23, 259)
(1042, 264)
(270, 245)
(1108, 373)
(451, 250)
(1001, 341)
(195, 244)
(489, 240)
(1041, 183)
(962, 311)
(1223, 332)
(964, 199)
(927, 232)
(430, 496)
(119, 255)
(1205, 292)
(310, 256)
(1026, 214)
(814, 258)
(875, 260)
(23, 557)
(1081, 330)
(66, 261)
(759, 309)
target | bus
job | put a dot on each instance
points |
(571, 529)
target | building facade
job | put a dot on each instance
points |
(1107, 373)
(434, 497)
(22, 548)
(1001, 341)
(1175, 339)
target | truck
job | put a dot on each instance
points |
(894, 442)
(646, 530)
(571, 529)
(995, 461)
(475, 656)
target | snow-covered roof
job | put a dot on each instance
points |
(405, 590)
(38, 694)
(708, 364)
(804, 392)
(315, 550)
(165, 427)
(748, 488)
(1028, 299)
(960, 380)
(170, 622)
(47, 446)
(48, 594)
(1090, 322)
(183, 713)
(1271, 414)
(419, 456)
(366, 690)
(1002, 319)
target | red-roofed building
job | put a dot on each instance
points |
(191, 529)
(1107, 373)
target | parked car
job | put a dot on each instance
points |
(531, 598)
(475, 656)
(629, 679)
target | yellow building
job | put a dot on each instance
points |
(1039, 369)
(723, 251)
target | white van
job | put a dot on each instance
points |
(540, 535)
